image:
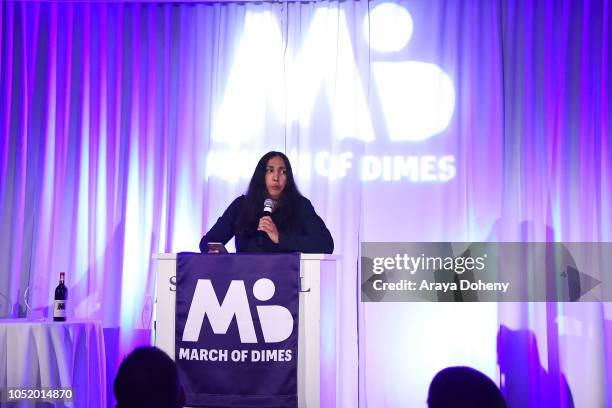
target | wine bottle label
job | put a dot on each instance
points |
(60, 308)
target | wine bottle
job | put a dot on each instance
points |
(61, 295)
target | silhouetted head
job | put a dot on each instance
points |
(148, 378)
(463, 387)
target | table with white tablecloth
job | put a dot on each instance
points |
(36, 354)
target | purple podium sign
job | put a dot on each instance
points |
(237, 329)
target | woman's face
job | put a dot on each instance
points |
(276, 177)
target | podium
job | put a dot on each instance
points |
(316, 327)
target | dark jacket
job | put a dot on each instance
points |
(311, 235)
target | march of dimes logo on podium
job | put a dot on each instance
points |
(276, 322)
(410, 101)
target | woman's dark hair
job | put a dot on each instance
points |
(257, 194)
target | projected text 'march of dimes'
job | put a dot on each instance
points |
(417, 99)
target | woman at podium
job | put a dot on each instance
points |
(273, 216)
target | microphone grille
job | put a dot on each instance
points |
(268, 205)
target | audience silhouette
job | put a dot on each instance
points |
(148, 377)
(463, 387)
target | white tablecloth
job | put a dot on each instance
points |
(47, 354)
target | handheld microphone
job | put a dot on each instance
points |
(268, 207)
(267, 210)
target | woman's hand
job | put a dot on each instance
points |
(267, 225)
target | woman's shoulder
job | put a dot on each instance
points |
(303, 204)
(236, 206)
(241, 199)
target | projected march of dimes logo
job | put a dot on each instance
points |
(276, 322)
(412, 101)
(417, 100)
